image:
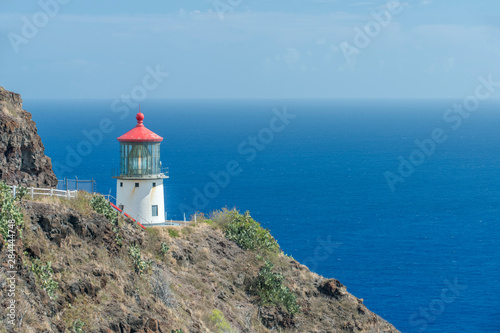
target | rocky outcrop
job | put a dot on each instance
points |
(22, 154)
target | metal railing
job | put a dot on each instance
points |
(87, 185)
(116, 172)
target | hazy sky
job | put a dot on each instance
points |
(247, 48)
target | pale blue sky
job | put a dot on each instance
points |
(263, 49)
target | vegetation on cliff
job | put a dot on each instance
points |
(82, 271)
(10, 214)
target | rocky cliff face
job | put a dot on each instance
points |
(22, 158)
(197, 281)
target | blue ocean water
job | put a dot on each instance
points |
(425, 256)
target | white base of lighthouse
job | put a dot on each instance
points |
(142, 199)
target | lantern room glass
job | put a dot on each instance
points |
(139, 159)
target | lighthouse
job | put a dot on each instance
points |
(139, 183)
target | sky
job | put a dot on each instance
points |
(248, 48)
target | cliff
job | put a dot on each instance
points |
(78, 270)
(22, 158)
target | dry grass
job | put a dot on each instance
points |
(85, 309)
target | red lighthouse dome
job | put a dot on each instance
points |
(140, 133)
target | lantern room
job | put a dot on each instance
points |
(140, 151)
(139, 159)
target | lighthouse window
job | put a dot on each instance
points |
(154, 184)
(136, 184)
(155, 210)
(138, 159)
(121, 184)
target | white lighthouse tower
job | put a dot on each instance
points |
(139, 186)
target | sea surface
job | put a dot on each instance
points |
(424, 254)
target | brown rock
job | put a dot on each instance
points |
(22, 154)
(107, 330)
(124, 328)
(152, 324)
(276, 318)
(333, 288)
(34, 251)
(60, 325)
(135, 322)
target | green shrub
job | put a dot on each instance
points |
(245, 231)
(100, 205)
(44, 276)
(141, 266)
(268, 286)
(220, 322)
(78, 326)
(173, 232)
(21, 192)
(164, 248)
(177, 331)
(9, 212)
(119, 240)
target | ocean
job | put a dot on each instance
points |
(398, 199)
